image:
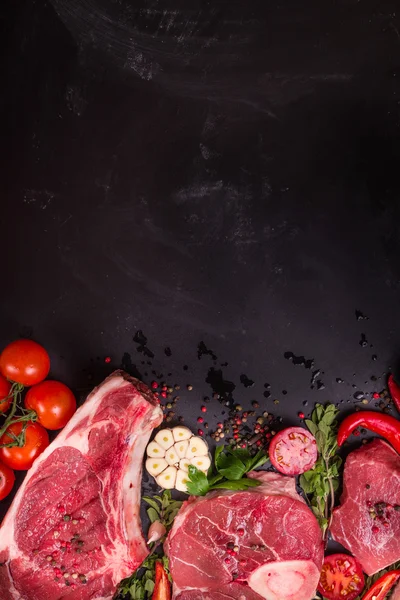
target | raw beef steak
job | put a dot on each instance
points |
(280, 549)
(366, 522)
(73, 531)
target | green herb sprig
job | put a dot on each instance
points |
(230, 468)
(162, 508)
(321, 482)
(140, 585)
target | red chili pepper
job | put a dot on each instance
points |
(162, 587)
(382, 586)
(394, 389)
(384, 425)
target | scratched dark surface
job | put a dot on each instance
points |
(204, 171)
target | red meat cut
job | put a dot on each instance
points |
(280, 548)
(73, 530)
(366, 523)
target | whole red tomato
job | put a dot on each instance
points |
(5, 398)
(7, 479)
(53, 402)
(25, 361)
(22, 458)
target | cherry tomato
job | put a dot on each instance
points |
(341, 577)
(25, 361)
(5, 388)
(21, 459)
(7, 479)
(293, 451)
(53, 402)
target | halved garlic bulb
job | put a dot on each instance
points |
(170, 454)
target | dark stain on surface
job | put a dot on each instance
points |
(246, 381)
(202, 350)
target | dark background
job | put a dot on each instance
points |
(204, 171)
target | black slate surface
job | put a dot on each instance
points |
(216, 172)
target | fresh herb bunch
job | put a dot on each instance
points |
(230, 467)
(321, 482)
(162, 508)
(140, 585)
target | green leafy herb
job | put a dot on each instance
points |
(230, 468)
(140, 585)
(321, 482)
(162, 508)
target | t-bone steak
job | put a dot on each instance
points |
(73, 530)
(277, 538)
(368, 520)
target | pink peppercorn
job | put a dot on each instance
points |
(227, 560)
(301, 415)
(375, 395)
(200, 419)
(375, 529)
(107, 359)
(204, 409)
(154, 385)
(240, 531)
(200, 432)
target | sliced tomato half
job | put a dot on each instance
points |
(341, 577)
(293, 451)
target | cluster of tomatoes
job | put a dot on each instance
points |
(47, 404)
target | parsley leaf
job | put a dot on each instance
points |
(231, 467)
(198, 484)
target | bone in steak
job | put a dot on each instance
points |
(366, 522)
(73, 530)
(280, 544)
